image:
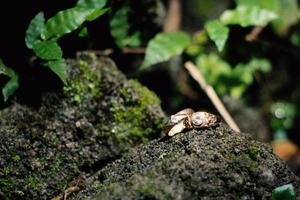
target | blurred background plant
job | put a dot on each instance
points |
(248, 50)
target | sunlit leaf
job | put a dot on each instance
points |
(164, 46)
(11, 86)
(285, 192)
(248, 16)
(96, 5)
(34, 29)
(217, 32)
(65, 22)
(272, 5)
(91, 3)
(47, 50)
(97, 13)
(59, 68)
(288, 16)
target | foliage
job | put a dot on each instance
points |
(218, 32)
(42, 36)
(164, 46)
(119, 25)
(228, 80)
(286, 192)
(10, 87)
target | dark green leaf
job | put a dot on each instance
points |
(83, 32)
(11, 86)
(94, 4)
(248, 16)
(120, 29)
(285, 192)
(34, 29)
(47, 50)
(65, 22)
(217, 32)
(164, 46)
(97, 13)
(59, 68)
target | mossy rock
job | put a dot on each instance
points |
(97, 117)
(214, 163)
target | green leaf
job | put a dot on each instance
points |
(47, 50)
(248, 16)
(34, 29)
(217, 32)
(83, 32)
(96, 5)
(91, 4)
(272, 5)
(259, 64)
(165, 45)
(119, 27)
(59, 68)
(285, 192)
(11, 86)
(97, 13)
(65, 22)
(288, 16)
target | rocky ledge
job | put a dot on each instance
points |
(214, 163)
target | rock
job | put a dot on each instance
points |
(97, 117)
(214, 163)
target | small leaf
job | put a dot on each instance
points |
(91, 4)
(217, 32)
(65, 22)
(259, 64)
(248, 16)
(119, 26)
(34, 29)
(164, 46)
(97, 13)
(47, 50)
(285, 192)
(59, 68)
(11, 86)
(83, 32)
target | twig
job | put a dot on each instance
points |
(253, 35)
(173, 19)
(196, 74)
(134, 50)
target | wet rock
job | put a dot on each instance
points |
(98, 116)
(214, 163)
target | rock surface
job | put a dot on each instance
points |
(214, 163)
(98, 116)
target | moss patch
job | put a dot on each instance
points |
(44, 150)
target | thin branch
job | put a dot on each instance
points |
(197, 75)
(173, 19)
(134, 50)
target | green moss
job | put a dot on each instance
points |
(16, 158)
(253, 152)
(85, 85)
(131, 120)
(32, 181)
(242, 160)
